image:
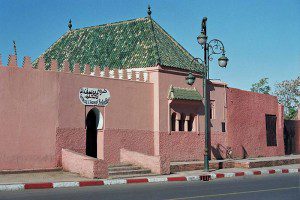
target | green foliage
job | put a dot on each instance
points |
(291, 113)
(288, 94)
(261, 86)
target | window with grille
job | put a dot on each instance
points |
(271, 130)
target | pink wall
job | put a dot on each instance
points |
(128, 118)
(246, 123)
(163, 78)
(218, 94)
(188, 146)
(183, 146)
(84, 165)
(167, 78)
(110, 141)
(130, 106)
(29, 113)
(157, 164)
(133, 140)
(69, 138)
(43, 114)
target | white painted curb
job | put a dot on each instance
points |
(65, 184)
(210, 176)
(12, 187)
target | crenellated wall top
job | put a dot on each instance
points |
(79, 69)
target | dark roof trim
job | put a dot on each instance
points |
(176, 93)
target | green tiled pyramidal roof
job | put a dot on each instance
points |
(135, 43)
(184, 94)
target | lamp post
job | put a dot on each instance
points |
(211, 48)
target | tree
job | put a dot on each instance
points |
(262, 86)
(288, 94)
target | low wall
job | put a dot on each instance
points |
(110, 141)
(157, 164)
(84, 165)
(134, 140)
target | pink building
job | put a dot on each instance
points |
(152, 117)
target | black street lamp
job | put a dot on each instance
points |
(212, 47)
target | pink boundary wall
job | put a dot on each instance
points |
(246, 130)
(46, 116)
(84, 165)
(246, 123)
(29, 117)
(157, 164)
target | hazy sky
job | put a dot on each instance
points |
(261, 37)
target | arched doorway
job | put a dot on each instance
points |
(92, 121)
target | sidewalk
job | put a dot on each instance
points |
(39, 177)
(242, 163)
(41, 180)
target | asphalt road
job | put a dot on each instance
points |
(273, 187)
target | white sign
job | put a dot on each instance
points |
(94, 96)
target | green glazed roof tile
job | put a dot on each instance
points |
(184, 94)
(135, 43)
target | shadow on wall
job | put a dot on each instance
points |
(245, 154)
(216, 152)
(221, 152)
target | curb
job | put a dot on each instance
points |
(208, 177)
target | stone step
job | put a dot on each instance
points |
(131, 176)
(230, 163)
(129, 172)
(123, 168)
(120, 165)
(199, 165)
(266, 162)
